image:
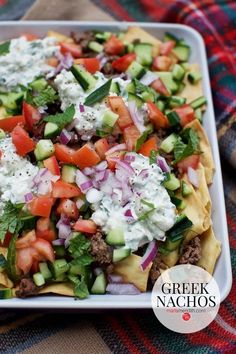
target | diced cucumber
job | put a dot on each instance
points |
(11, 100)
(39, 84)
(130, 47)
(176, 101)
(44, 270)
(168, 144)
(135, 70)
(59, 267)
(182, 52)
(130, 87)
(171, 245)
(199, 102)
(61, 278)
(60, 251)
(181, 86)
(120, 253)
(103, 36)
(3, 263)
(137, 99)
(198, 114)
(144, 53)
(44, 149)
(115, 87)
(38, 279)
(179, 203)
(95, 46)
(172, 183)
(185, 66)
(168, 81)
(170, 37)
(5, 294)
(68, 173)
(99, 285)
(194, 77)
(147, 96)
(116, 237)
(77, 269)
(173, 118)
(109, 118)
(51, 130)
(178, 72)
(86, 80)
(2, 134)
(161, 105)
(186, 190)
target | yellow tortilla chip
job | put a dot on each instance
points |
(202, 190)
(138, 33)
(65, 289)
(131, 271)
(206, 157)
(171, 259)
(191, 92)
(5, 281)
(211, 249)
(59, 37)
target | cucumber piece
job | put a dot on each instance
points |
(51, 130)
(61, 278)
(86, 80)
(176, 101)
(38, 84)
(136, 70)
(103, 36)
(130, 47)
(147, 96)
(99, 94)
(3, 263)
(138, 100)
(178, 72)
(5, 294)
(130, 87)
(116, 237)
(109, 118)
(44, 270)
(68, 173)
(95, 46)
(77, 269)
(185, 66)
(181, 86)
(120, 253)
(59, 267)
(170, 37)
(199, 102)
(160, 105)
(194, 77)
(11, 100)
(168, 81)
(182, 52)
(198, 114)
(186, 190)
(179, 203)
(59, 251)
(173, 118)
(115, 87)
(44, 149)
(144, 53)
(2, 134)
(38, 279)
(171, 245)
(99, 285)
(168, 144)
(172, 183)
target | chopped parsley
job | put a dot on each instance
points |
(45, 97)
(10, 220)
(4, 48)
(187, 145)
(62, 119)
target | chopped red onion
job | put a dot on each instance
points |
(161, 161)
(128, 213)
(125, 166)
(129, 157)
(28, 197)
(149, 255)
(193, 177)
(81, 108)
(118, 147)
(117, 195)
(67, 240)
(103, 61)
(65, 137)
(136, 116)
(126, 193)
(101, 166)
(44, 187)
(88, 171)
(93, 195)
(58, 242)
(148, 78)
(106, 175)
(122, 289)
(115, 279)
(144, 173)
(95, 184)
(83, 181)
(86, 186)
(99, 176)
(66, 61)
(64, 231)
(63, 220)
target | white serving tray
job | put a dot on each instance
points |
(223, 272)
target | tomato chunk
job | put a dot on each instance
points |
(112, 158)
(156, 116)
(161, 63)
(41, 206)
(185, 113)
(22, 141)
(9, 123)
(131, 135)
(166, 47)
(121, 64)
(159, 87)
(61, 189)
(45, 229)
(190, 161)
(52, 165)
(24, 259)
(87, 226)
(118, 106)
(86, 156)
(31, 115)
(30, 36)
(92, 65)
(44, 249)
(26, 240)
(148, 146)
(114, 46)
(101, 146)
(64, 153)
(74, 49)
(68, 208)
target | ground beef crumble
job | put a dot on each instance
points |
(27, 288)
(101, 252)
(191, 252)
(157, 265)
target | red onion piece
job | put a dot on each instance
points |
(65, 137)
(88, 171)
(64, 231)
(81, 108)
(128, 213)
(58, 242)
(118, 147)
(136, 116)
(101, 166)
(129, 157)
(115, 279)
(148, 78)
(93, 195)
(86, 186)
(63, 220)
(66, 62)
(122, 289)
(161, 161)
(149, 255)
(193, 177)
(44, 187)
(99, 176)
(83, 181)
(28, 197)
(125, 166)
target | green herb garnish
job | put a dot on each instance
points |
(45, 97)
(4, 48)
(183, 150)
(10, 220)
(62, 119)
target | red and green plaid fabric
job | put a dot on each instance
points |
(138, 331)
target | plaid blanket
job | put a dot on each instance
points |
(139, 332)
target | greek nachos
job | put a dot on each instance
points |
(104, 163)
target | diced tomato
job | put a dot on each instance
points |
(131, 135)
(185, 113)
(156, 116)
(86, 156)
(64, 153)
(43, 224)
(26, 240)
(122, 63)
(30, 36)
(31, 114)
(52, 62)
(48, 235)
(22, 141)
(52, 165)
(91, 64)
(41, 206)
(74, 49)
(87, 226)
(68, 208)
(190, 161)
(112, 158)
(148, 146)
(45, 230)
(24, 259)
(161, 63)
(118, 106)
(35, 266)
(7, 240)
(114, 46)
(44, 249)
(101, 146)
(62, 189)
(9, 123)
(166, 47)
(159, 87)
